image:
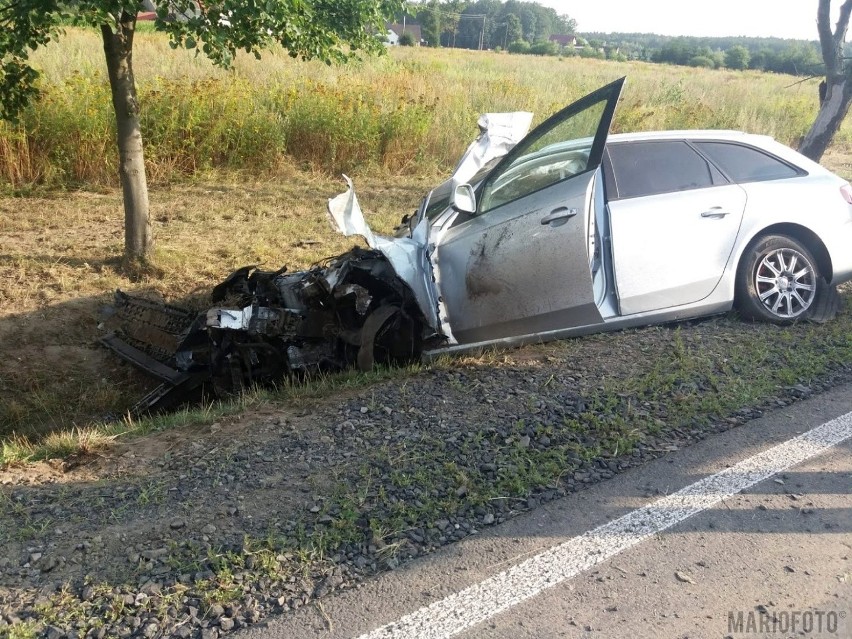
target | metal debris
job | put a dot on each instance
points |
(352, 310)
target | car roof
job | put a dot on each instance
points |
(695, 134)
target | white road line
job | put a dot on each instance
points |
(477, 603)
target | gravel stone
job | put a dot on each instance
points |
(210, 500)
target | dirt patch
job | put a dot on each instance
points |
(59, 266)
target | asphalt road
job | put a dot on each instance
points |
(774, 560)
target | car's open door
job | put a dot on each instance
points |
(520, 264)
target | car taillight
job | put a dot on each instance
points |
(846, 192)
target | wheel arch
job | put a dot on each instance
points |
(802, 234)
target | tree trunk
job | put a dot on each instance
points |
(118, 48)
(831, 113)
(838, 84)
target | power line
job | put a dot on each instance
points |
(452, 13)
(459, 17)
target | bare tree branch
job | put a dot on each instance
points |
(826, 37)
(9, 7)
(831, 43)
(842, 24)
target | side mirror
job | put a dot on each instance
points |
(464, 200)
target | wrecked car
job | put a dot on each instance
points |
(563, 231)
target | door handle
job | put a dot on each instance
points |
(716, 213)
(561, 213)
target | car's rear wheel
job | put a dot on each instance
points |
(779, 281)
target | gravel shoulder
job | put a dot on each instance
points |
(198, 531)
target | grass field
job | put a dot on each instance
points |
(242, 163)
(410, 112)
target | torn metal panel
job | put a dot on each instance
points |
(407, 255)
(347, 217)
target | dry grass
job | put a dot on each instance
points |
(410, 112)
(58, 266)
(58, 250)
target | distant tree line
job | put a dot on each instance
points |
(523, 26)
(486, 24)
(796, 57)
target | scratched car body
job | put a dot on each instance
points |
(563, 231)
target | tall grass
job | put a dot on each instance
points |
(412, 111)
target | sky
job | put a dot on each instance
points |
(779, 18)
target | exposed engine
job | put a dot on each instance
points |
(352, 310)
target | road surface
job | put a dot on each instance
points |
(723, 539)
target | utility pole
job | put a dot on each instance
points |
(482, 34)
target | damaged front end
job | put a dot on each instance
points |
(356, 309)
(380, 304)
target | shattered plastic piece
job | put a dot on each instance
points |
(369, 332)
(233, 319)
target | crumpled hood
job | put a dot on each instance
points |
(498, 134)
(407, 255)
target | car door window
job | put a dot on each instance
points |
(745, 164)
(568, 144)
(651, 168)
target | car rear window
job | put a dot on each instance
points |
(651, 168)
(746, 164)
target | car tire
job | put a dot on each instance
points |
(778, 281)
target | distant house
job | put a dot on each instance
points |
(149, 12)
(396, 30)
(564, 39)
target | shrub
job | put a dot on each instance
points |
(406, 39)
(544, 47)
(589, 52)
(702, 61)
(519, 46)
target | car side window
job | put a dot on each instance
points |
(651, 168)
(544, 159)
(745, 164)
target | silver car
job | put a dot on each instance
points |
(574, 231)
(563, 231)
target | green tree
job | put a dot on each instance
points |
(761, 59)
(529, 20)
(514, 30)
(450, 18)
(406, 39)
(329, 30)
(429, 18)
(737, 57)
(566, 24)
(591, 52)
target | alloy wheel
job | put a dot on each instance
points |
(785, 281)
